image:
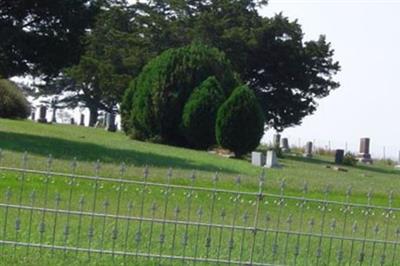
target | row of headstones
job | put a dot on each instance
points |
(270, 160)
(363, 156)
(110, 124)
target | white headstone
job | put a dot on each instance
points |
(398, 162)
(257, 158)
(271, 160)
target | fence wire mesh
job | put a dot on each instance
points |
(66, 215)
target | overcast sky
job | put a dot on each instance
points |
(366, 38)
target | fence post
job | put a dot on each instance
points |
(280, 203)
(189, 197)
(236, 200)
(259, 199)
(20, 196)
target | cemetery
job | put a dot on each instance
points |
(161, 133)
(65, 142)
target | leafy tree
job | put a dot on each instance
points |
(12, 102)
(287, 73)
(126, 108)
(200, 113)
(240, 122)
(163, 87)
(42, 36)
(112, 56)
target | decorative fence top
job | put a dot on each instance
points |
(85, 217)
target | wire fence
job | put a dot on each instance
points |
(70, 216)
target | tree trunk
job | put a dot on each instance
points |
(53, 119)
(93, 115)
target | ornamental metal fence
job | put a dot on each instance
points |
(68, 216)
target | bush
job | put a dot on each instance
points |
(200, 113)
(12, 102)
(160, 92)
(240, 122)
(126, 108)
(349, 159)
(388, 162)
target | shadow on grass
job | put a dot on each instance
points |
(67, 150)
(307, 160)
(369, 168)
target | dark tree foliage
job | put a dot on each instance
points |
(12, 102)
(287, 73)
(165, 84)
(112, 56)
(42, 36)
(240, 122)
(126, 108)
(200, 113)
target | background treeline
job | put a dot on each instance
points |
(93, 49)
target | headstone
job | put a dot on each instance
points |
(398, 162)
(72, 121)
(257, 158)
(111, 127)
(33, 114)
(364, 156)
(339, 155)
(271, 160)
(285, 145)
(42, 114)
(82, 121)
(308, 149)
(276, 141)
(105, 120)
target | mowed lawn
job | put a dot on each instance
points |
(87, 145)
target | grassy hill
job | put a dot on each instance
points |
(65, 142)
(87, 145)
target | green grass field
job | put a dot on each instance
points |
(88, 145)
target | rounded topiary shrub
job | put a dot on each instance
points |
(200, 113)
(161, 90)
(126, 108)
(12, 102)
(240, 122)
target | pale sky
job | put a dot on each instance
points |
(366, 38)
